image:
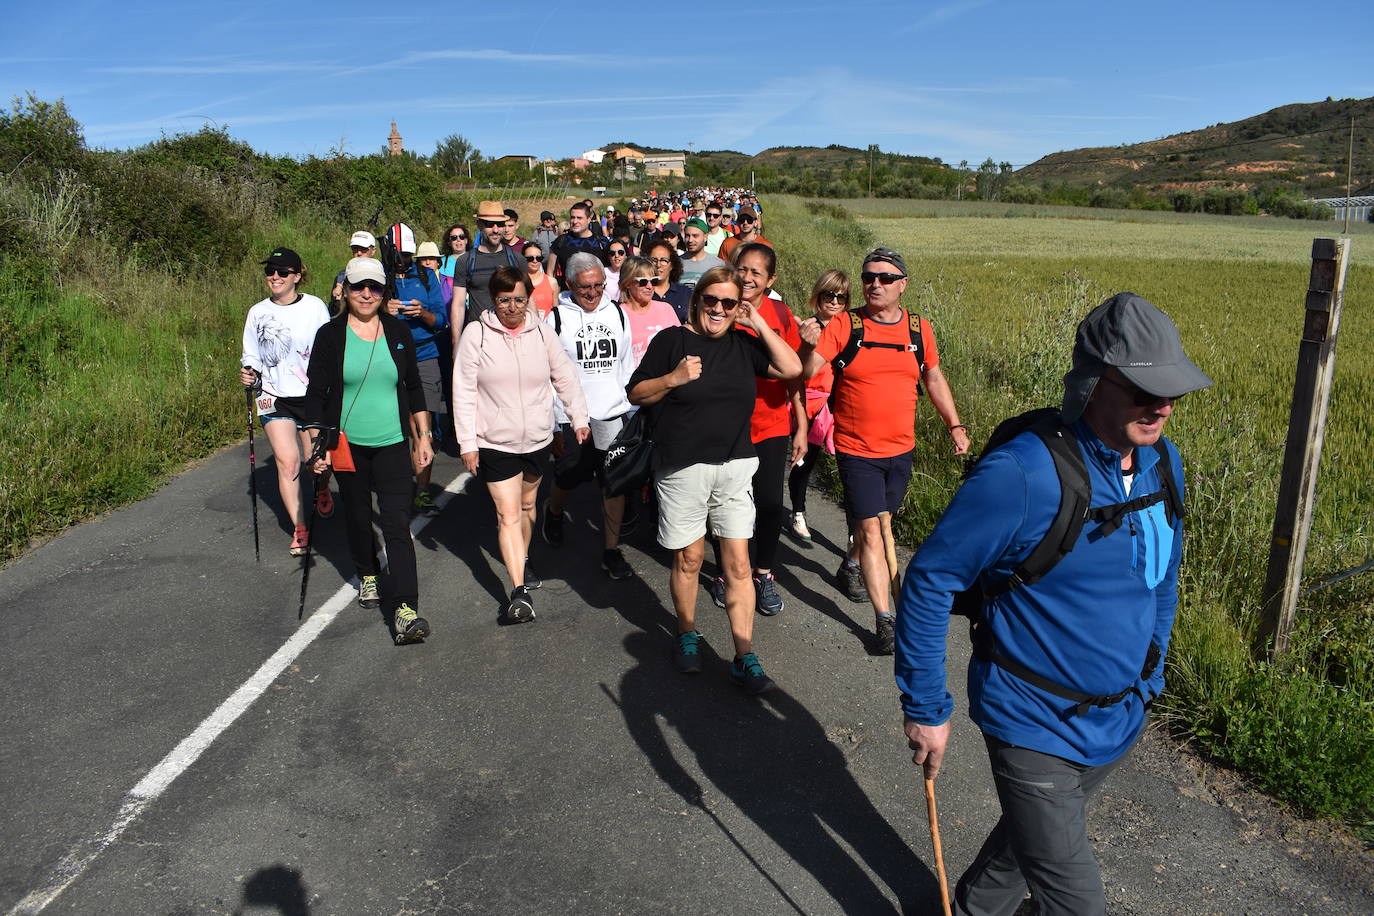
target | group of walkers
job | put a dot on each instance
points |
(1062, 546)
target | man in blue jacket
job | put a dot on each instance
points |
(420, 304)
(1086, 641)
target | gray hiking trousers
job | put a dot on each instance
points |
(1040, 843)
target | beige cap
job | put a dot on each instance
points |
(360, 269)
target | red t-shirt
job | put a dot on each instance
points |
(875, 404)
(772, 404)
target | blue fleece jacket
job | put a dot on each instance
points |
(411, 287)
(1086, 625)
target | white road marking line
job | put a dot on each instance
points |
(79, 858)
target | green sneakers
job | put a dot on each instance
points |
(367, 592)
(409, 626)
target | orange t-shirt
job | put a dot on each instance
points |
(772, 404)
(875, 403)
(729, 244)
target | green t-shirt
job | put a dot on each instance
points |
(369, 392)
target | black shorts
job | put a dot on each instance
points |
(494, 466)
(873, 486)
(579, 463)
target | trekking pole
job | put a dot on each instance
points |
(890, 551)
(252, 474)
(934, 818)
(315, 453)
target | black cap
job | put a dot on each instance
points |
(284, 257)
(886, 256)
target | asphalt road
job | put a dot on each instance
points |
(177, 742)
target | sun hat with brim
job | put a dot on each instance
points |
(427, 250)
(283, 257)
(491, 210)
(360, 269)
(1129, 334)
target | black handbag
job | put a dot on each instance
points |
(629, 459)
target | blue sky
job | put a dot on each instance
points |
(958, 79)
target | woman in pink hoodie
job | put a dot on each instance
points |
(505, 373)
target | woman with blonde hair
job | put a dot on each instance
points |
(829, 298)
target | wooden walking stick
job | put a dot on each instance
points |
(934, 818)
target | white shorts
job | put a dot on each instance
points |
(721, 494)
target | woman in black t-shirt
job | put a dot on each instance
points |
(700, 377)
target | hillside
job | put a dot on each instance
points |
(1301, 145)
(823, 160)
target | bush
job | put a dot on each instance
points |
(40, 137)
(176, 219)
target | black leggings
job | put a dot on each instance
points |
(773, 454)
(386, 471)
(800, 477)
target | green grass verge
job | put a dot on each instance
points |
(1004, 297)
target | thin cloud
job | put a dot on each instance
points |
(942, 14)
(486, 55)
(220, 69)
(1076, 117)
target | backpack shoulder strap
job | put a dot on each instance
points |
(856, 339)
(1173, 497)
(1075, 496)
(918, 344)
(557, 320)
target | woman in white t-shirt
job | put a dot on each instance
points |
(277, 339)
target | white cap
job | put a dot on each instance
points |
(360, 269)
(362, 239)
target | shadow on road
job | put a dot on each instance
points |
(277, 886)
(774, 762)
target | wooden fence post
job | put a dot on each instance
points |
(1302, 455)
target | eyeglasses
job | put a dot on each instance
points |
(885, 279)
(357, 248)
(458, 238)
(1139, 396)
(589, 287)
(533, 259)
(521, 301)
(661, 260)
(615, 252)
(644, 281)
(371, 286)
(842, 298)
(279, 271)
(711, 301)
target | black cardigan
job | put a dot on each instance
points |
(324, 394)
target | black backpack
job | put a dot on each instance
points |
(1075, 500)
(856, 342)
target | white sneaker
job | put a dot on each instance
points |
(799, 529)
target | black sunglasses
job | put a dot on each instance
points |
(532, 258)
(644, 281)
(615, 252)
(492, 224)
(747, 219)
(457, 238)
(710, 301)
(885, 279)
(833, 297)
(279, 271)
(710, 215)
(371, 285)
(1139, 396)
